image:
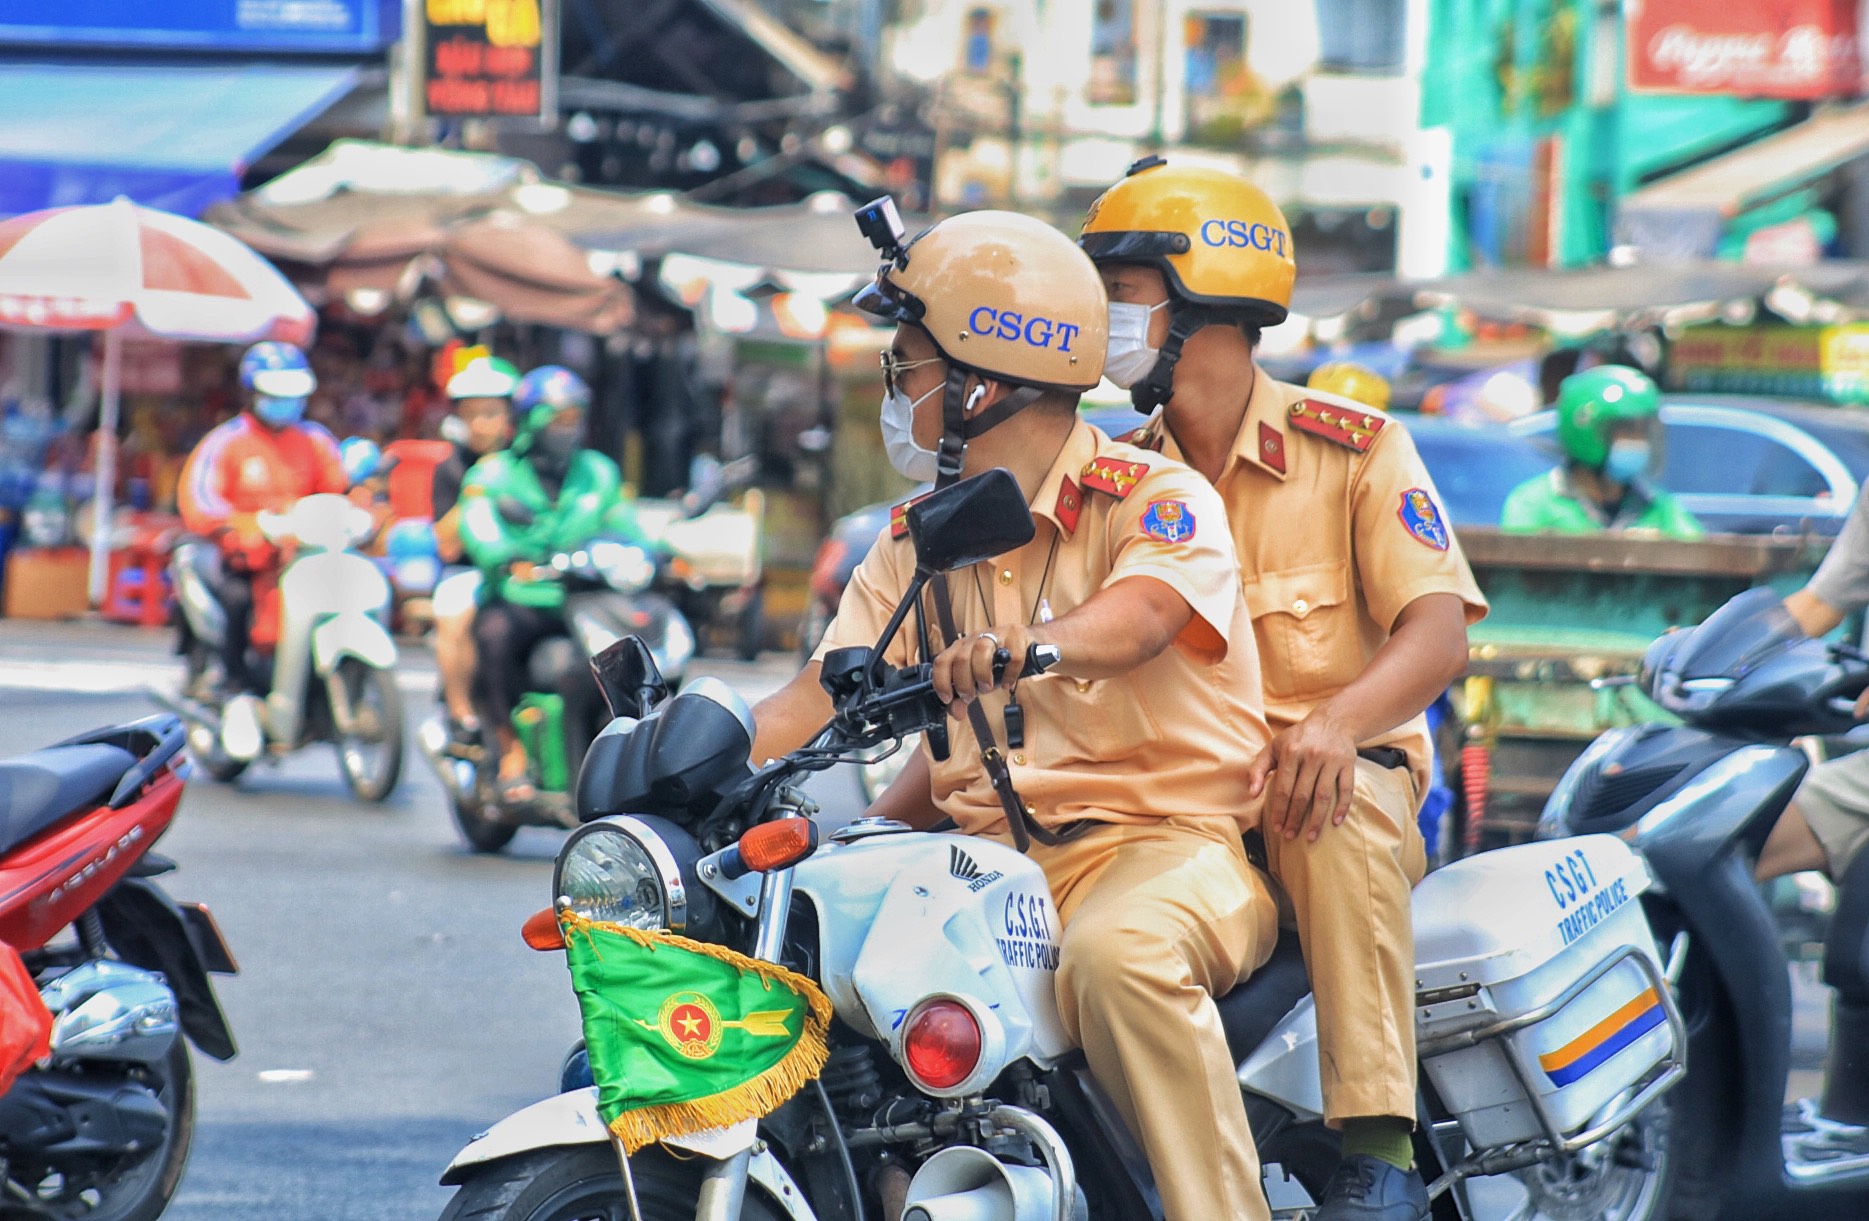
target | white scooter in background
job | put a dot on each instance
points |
(333, 666)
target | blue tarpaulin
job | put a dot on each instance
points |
(176, 137)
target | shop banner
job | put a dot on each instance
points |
(1809, 362)
(364, 27)
(490, 59)
(1750, 48)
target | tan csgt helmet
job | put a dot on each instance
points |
(1004, 295)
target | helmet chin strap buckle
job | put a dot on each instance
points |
(1159, 386)
(953, 448)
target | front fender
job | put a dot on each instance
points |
(571, 1119)
(351, 635)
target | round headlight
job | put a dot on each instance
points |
(618, 870)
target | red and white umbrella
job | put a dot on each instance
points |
(138, 272)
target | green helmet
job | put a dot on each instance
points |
(1593, 402)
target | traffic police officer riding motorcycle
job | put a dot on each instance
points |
(1121, 769)
(1359, 598)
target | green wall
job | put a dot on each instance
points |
(1505, 75)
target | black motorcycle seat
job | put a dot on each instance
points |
(41, 789)
(1250, 1011)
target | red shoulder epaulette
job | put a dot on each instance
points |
(899, 516)
(1145, 437)
(1116, 478)
(1344, 425)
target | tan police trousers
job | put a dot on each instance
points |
(1158, 920)
(1349, 894)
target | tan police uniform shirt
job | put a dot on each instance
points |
(1338, 527)
(1171, 737)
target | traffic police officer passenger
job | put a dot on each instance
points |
(1360, 599)
(1132, 761)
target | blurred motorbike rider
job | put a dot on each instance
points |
(1609, 427)
(1127, 775)
(544, 495)
(479, 422)
(1360, 600)
(1826, 827)
(264, 459)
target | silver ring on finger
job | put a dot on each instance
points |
(990, 636)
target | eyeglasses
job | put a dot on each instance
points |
(893, 369)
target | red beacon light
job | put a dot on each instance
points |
(941, 1043)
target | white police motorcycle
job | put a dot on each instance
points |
(333, 666)
(1546, 1023)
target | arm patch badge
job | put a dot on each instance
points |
(1168, 521)
(1422, 519)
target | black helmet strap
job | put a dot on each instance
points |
(1184, 319)
(957, 429)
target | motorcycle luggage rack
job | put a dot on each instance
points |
(1506, 1158)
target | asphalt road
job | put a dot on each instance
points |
(386, 1008)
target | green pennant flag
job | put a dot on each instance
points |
(685, 1036)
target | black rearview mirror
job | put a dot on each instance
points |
(970, 521)
(631, 681)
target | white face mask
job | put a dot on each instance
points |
(1130, 357)
(910, 460)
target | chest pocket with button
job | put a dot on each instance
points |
(1300, 617)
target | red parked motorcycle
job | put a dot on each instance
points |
(100, 1127)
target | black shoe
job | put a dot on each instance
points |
(1369, 1189)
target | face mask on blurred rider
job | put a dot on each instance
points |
(1130, 357)
(910, 460)
(553, 449)
(1627, 460)
(279, 412)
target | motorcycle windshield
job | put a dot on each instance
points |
(1737, 638)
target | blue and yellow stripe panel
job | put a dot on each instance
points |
(1577, 1058)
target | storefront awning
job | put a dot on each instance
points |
(1684, 213)
(175, 137)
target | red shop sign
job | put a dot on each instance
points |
(1752, 48)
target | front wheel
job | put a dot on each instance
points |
(370, 753)
(585, 1184)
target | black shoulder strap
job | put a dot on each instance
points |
(1024, 830)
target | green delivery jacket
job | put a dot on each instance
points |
(590, 505)
(1547, 504)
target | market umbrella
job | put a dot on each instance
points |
(136, 272)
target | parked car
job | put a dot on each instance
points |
(1746, 465)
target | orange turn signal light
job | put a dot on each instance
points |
(778, 844)
(542, 931)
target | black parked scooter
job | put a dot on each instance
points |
(1698, 800)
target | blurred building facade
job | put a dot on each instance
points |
(1652, 128)
(1042, 105)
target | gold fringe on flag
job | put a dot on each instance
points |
(752, 1099)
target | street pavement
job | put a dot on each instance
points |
(386, 1009)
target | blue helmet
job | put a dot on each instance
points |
(361, 457)
(277, 370)
(552, 386)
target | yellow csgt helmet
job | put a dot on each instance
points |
(1220, 241)
(1002, 295)
(1352, 381)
